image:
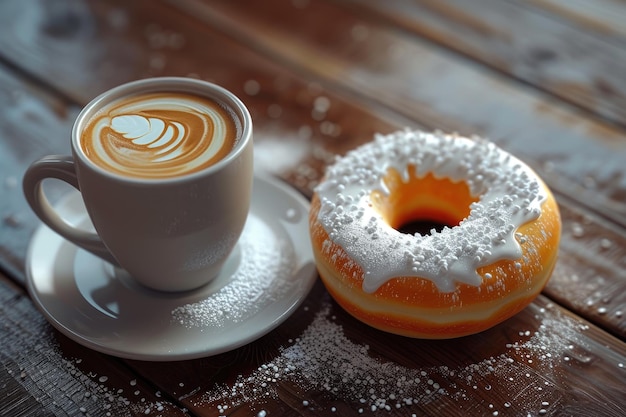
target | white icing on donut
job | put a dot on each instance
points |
(509, 195)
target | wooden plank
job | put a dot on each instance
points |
(43, 373)
(295, 138)
(560, 143)
(602, 17)
(578, 155)
(590, 275)
(321, 360)
(309, 366)
(39, 121)
(541, 362)
(571, 151)
(33, 123)
(526, 43)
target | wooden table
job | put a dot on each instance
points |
(545, 79)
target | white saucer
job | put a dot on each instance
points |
(267, 276)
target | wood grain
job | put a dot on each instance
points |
(33, 123)
(552, 139)
(292, 140)
(45, 374)
(318, 89)
(541, 45)
(528, 364)
(442, 89)
(576, 153)
(603, 18)
(590, 276)
(312, 147)
(535, 352)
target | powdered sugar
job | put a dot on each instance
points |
(509, 195)
(39, 366)
(261, 278)
(332, 366)
(325, 361)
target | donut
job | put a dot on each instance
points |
(493, 256)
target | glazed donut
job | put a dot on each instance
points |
(492, 259)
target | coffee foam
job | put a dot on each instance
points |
(159, 135)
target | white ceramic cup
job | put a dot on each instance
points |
(171, 234)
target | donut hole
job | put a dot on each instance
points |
(422, 204)
(421, 226)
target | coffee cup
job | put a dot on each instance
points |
(165, 169)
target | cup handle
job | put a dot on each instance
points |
(61, 168)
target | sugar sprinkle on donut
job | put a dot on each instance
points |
(508, 196)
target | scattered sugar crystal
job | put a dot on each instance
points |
(83, 391)
(291, 214)
(13, 220)
(321, 104)
(157, 61)
(252, 87)
(605, 243)
(274, 111)
(359, 32)
(10, 182)
(508, 196)
(330, 129)
(261, 278)
(577, 230)
(324, 359)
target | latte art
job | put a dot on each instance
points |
(159, 135)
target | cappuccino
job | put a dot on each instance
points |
(173, 157)
(159, 135)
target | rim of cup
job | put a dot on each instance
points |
(166, 84)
